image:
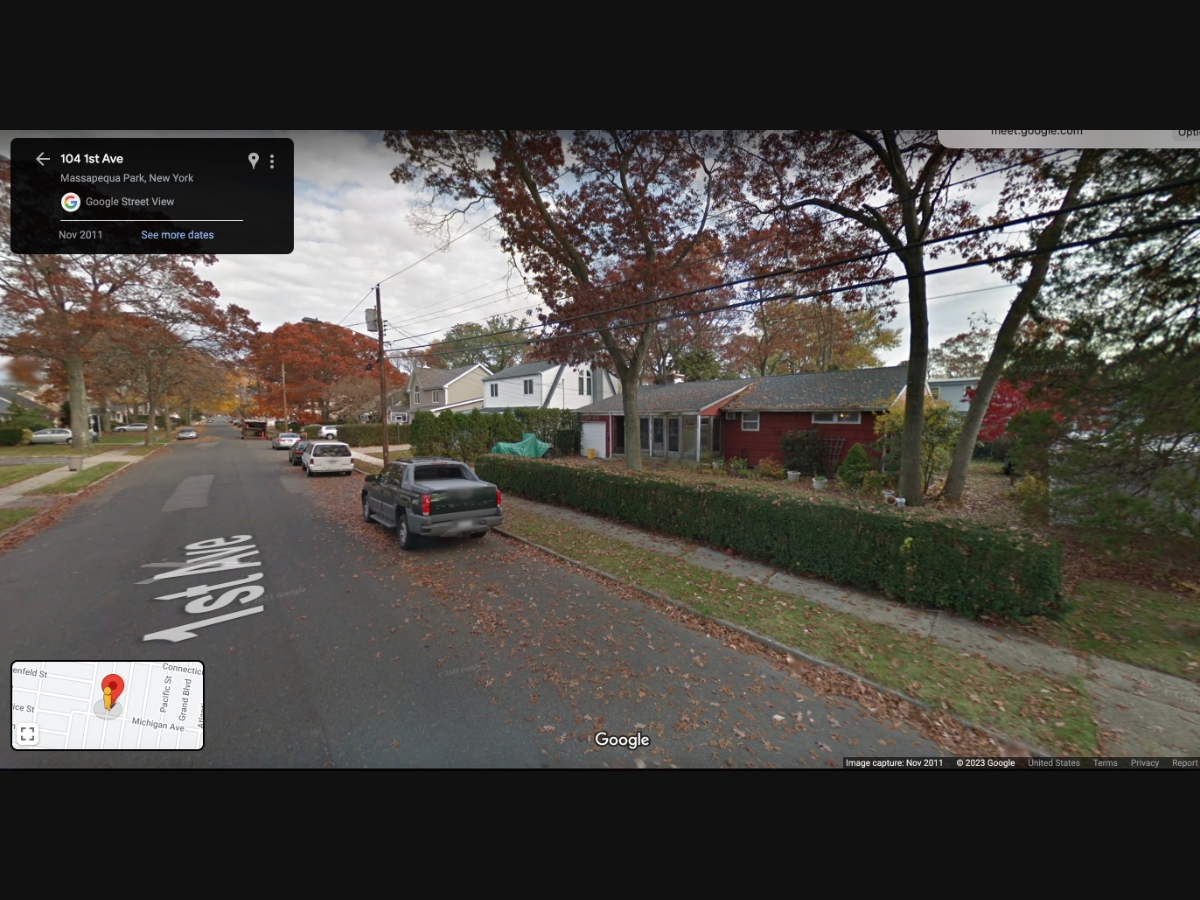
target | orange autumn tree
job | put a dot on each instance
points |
(315, 357)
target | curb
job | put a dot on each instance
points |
(783, 648)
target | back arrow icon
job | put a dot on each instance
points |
(41, 160)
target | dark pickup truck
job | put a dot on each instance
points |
(433, 497)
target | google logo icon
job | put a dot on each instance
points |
(70, 202)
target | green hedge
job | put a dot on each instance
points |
(940, 564)
(10, 437)
(467, 435)
(366, 435)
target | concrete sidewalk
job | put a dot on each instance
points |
(19, 494)
(1152, 714)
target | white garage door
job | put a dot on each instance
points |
(593, 436)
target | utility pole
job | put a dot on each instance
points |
(383, 404)
(287, 426)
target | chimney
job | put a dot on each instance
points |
(677, 378)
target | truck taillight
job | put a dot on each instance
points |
(424, 504)
(497, 496)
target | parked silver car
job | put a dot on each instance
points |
(52, 436)
(285, 440)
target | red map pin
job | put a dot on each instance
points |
(116, 683)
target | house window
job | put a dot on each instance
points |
(589, 382)
(437, 396)
(418, 395)
(731, 416)
(495, 390)
(845, 418)
(936, 391)
(673, 435)
(580, 385)
(529, 385)
(750, 421)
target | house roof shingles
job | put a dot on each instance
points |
(521, 370)
(428, 379)
(854, 389)
(688, 397)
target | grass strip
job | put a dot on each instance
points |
(140, 451)
(1055, 715)
(10, 517)
(77, 482)
(13, 474)
(58, 450)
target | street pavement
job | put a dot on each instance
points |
(461, 653)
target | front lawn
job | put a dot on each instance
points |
(1134, 624)
(13, 474)
(58, 450)
(78, 481)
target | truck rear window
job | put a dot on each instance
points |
(437, 473)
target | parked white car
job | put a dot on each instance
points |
(327, 457)
(327, 431)
(136, 426)
(52, 436)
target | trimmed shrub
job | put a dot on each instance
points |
(856, 467)
(941, 564)
(770, 467)
(802, 451)
(11, 437)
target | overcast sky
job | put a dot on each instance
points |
(351, 231)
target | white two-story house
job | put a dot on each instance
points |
(547, 386)
(438, 390)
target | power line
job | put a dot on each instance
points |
(732, 250)
(792, 295)
(861, 258)
(406, 268)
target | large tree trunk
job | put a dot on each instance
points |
(81, 435)
(633, 426)
(1006, 338)
(910, 486)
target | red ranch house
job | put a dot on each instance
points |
(747, 418)
(842, 406)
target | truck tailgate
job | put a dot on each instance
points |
(457, 496)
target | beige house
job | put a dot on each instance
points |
(436, 390)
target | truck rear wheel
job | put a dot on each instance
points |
(404, 536)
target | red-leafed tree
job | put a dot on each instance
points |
(604, 226)
(1008, 400)
(310, 359)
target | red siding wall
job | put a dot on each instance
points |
(772, 426)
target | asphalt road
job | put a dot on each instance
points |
(461, 653)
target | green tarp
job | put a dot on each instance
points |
(529, 446)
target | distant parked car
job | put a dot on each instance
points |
(327, 431)
(296, 450)
(136, 426)
(285, 440)
(187, 434)
(52, 436)
(325, 458)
